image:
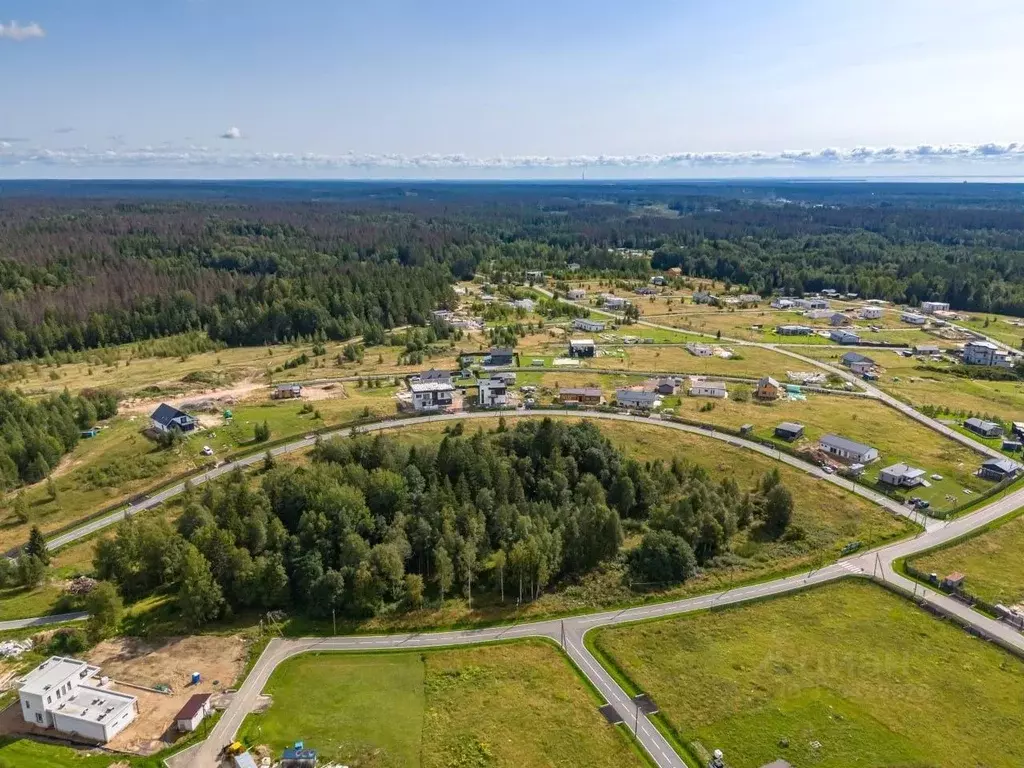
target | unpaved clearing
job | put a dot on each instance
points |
(169, 662)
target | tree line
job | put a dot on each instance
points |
(376, 523)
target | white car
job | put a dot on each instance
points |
(207, 450)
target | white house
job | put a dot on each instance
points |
(535, 276)
(902, 475)
(819, 314)
(658, 280)
(699, 388)
(934, 306)
(870, 313)
(575, 294)
(782, 303)
(526, 304)
(857, 362)
(583, 324)
(493, 393)
(615, 302)
(699, 350)
(191, 715)
(60, 694)
(848, 450)
(811, 303)
(637, 398)
(986, 353)
(432, 395)
(913, 318)
(582, 348)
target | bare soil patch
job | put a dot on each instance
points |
(170, 662)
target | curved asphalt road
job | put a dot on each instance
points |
(570, 632)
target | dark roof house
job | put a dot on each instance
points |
(787, 430)
(167, 417)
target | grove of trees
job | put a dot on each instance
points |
(375, 522)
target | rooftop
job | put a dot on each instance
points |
(904, 470)
(790, 426)
(95, 704)
(432, 386)
(983, 345)
(845, 444)
(583, 391)
(195, 703)
(581, 342)
(53, 672)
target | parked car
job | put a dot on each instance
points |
(207, 450)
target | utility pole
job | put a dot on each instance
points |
(563, 633)
(334, 621)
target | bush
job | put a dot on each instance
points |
(69, 641)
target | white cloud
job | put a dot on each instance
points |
(17, 32)
(231, 133)
(989, 157)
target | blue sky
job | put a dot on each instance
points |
(451, 88)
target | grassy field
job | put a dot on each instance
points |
(507, 705)
(991, 561)
(999, 327)
(845, 675)
(897, 438)
(749, 361)
(903, 378)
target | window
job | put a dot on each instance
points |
(49, 699)
(39, 717)
(28, 704)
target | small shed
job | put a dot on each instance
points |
(191, 715)
(746, 429)
(244, 760)
(954, 580)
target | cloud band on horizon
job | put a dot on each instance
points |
(201, 156)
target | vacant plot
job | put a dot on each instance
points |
(904, 378)
(897, 437)
(992, 562)
(169, 662)
(845, 675)
(508, 705)
(750, 362)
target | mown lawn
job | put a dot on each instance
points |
(507, 705)
(993, 562)
(844, 675)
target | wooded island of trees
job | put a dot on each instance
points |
(377, 523)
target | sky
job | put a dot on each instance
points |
(524, 89)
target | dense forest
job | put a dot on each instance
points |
(88, 265)
(34, 434)
(377, 523)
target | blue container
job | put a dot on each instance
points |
(195, 678)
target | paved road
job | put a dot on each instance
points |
(39, 621)
(570, 632)
(307, 442)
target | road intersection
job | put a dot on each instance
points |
(878, 564)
